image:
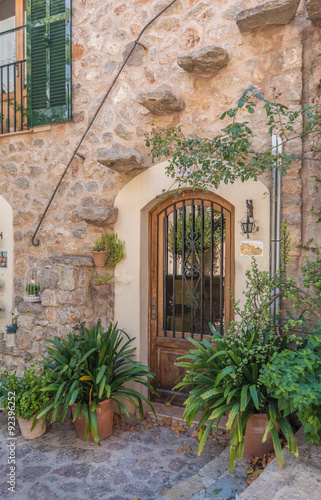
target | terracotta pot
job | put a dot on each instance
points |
(105, 417)
(25, 427)
(99, 258)
(103, 289)
(255, 429)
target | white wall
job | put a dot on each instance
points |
(134, 202)
(6, 274)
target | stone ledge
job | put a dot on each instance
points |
(267, 14)
(12, 351)
(120, 159)
(206, 60)
(72, 260)
(99, 216)
(314, 9)
(30, 307)
(161, 101)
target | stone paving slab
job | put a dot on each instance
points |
(214, 481)
(138, 463)
(299, 479)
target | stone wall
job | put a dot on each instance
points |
(263, 54)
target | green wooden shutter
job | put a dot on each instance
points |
(48, 61)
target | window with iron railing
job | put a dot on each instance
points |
(35, 63)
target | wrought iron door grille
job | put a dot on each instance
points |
(191, 239)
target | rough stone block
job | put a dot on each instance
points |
(50, 279)
(100, 216)
(120, 159)
(161, 101)
(48, 298)
(314, 9)
(266, 14)
(30, 307)
(67, 280)
(206, 60)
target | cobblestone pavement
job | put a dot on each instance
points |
(140, 460)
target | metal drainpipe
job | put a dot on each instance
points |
(275, 258)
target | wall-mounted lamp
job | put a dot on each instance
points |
(248, 222)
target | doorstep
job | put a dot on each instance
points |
(176, 413)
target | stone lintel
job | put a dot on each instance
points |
(120, 159)
(99, 216)
(206, 60)
(266, 14)
(72, 260)
(161, 101)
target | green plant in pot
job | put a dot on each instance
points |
(23, 397)
(225, 377)
(108, 250)
(101, 283)
(89, 371)
(293, 377)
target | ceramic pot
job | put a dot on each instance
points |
(10, 339)
(255, 430)
(25, 427)
(103, 289)
(105, 416)
(99, 258)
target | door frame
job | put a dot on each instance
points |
(153, 270)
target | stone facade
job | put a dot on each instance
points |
(280, 57)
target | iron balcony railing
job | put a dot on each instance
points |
(13, 92)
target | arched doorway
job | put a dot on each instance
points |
(191, 272)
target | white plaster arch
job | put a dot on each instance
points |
(134, 202)
(6, 273)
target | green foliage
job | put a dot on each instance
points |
(111, 244)
(294, 378)
(231, 155)
(208, 225)
(262, 290)
(29, 393)
(312, 275)
(12, 328)
(89, 367)
(102, 279)
(32, 289)
(225, 377)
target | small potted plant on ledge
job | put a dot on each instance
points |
(28, 399)
(11, 331)
(88, 372)
(108, 250)
(101, 283)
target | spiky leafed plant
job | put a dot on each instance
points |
(224, 377)
(89, 367)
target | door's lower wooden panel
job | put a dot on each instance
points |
(168, 374)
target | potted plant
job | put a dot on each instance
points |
(108, 250)
(293, 377)
(101, 283)
(225, 377)
(89, 371)
(23, 397)
(11, 334)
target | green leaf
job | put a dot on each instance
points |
(244, 397)
(254, 396)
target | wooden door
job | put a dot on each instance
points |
(191, 272)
